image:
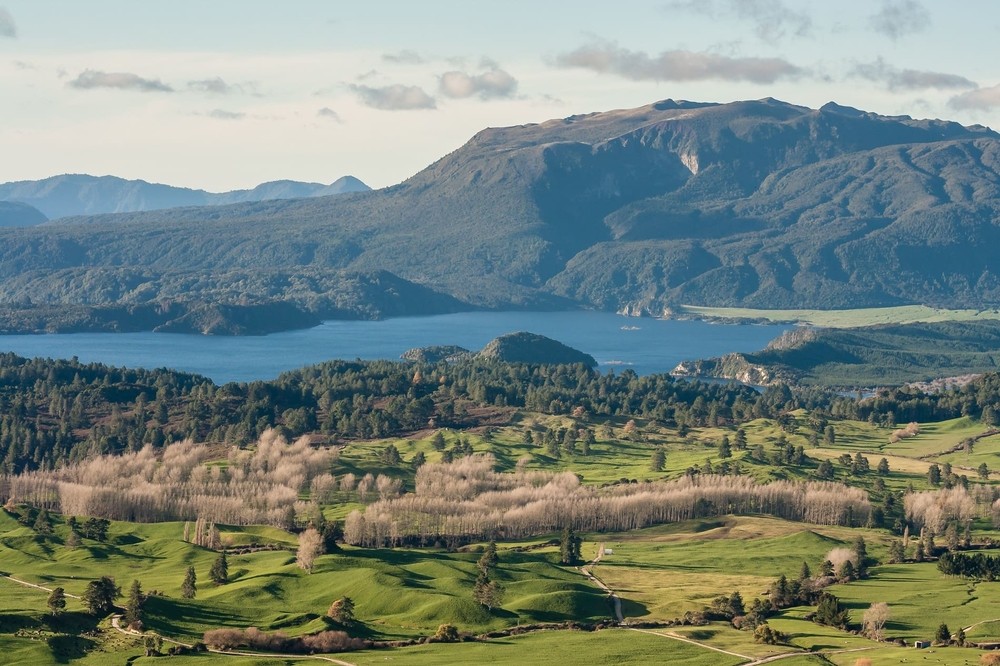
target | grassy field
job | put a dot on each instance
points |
(615, 458)
(903, 314)
(659, 572)
(700, 560)
(612, 646)
(921, 598)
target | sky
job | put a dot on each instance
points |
(227, 94)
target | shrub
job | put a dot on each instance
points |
(251, 637)
(446, 633)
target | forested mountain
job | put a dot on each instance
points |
(81, 194)
(759, 204)
(13, 214)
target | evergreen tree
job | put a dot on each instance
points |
(487, 592)
(829, 611)
(724, 449)
(43, 524)
(133, 607)
(736, 606)
(804, 572)
(342, 610)
(57, 601)
(390, 456)
(489, 559)
(189, 587)
(943, 635)
(896, 552)
(861, 553)
(658, 460)
(100, 595)
(846, 571)
(220, 570)
(569, 547)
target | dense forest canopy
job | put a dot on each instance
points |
(58, 411)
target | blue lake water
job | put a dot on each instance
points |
(644, 345)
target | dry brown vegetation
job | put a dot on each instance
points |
(468, 499)
(253, 638)
(934, 509)
(261, 485)
(912, 429)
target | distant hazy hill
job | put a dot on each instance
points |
(14, 214)
(869, 356)
(757, 204)
(76, 194)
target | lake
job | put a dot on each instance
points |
(644, 345)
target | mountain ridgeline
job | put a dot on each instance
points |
(80, 194)
(757, 204)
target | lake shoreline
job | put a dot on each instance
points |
(643, 345)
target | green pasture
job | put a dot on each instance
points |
(902, 314)
(611, 646)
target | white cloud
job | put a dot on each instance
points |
(909, 79)
(771, 19)
(218, 86)
(90, 79)
(677, 65)
(981, 99)
(327, 112)
(493, 84)
(396, 97)
(898, 18)
(404, 57)
(222, 114)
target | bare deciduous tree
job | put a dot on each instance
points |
(874, 620)
(310, 547)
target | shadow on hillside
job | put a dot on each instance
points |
(66, 648)
(72, 622)
(632, 609)
(356, 628)
(11, 623)
(164, 616)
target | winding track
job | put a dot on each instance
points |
(586, 571)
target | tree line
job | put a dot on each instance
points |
(59, 411)
(467, 500)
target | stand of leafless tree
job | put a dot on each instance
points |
(934, 509)
(468, 499)
(261, 485)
